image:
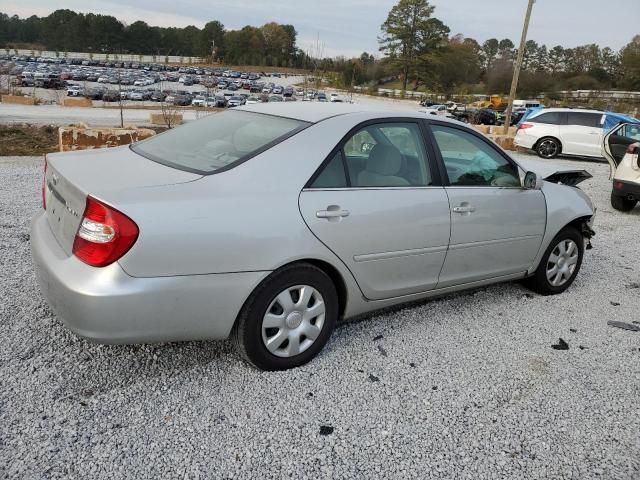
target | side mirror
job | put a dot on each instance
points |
(533, 181)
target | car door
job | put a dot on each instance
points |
(582, 135)
(379, 205)
(496, 225)
(616, 143)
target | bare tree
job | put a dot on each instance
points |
(169, 112)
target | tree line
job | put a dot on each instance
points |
(417, 49)
(272, 44)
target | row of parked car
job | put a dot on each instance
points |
(46, 73)
(467, 114)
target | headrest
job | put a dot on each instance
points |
(384, 160)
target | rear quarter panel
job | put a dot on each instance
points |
(243, 219)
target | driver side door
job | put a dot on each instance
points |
(497, 226)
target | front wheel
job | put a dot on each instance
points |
(622, 204)
(560, 263)
(288, 319)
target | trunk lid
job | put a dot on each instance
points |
(71, 176)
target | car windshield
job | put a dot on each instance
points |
(218, 141)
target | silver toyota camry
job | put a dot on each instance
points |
(270, 223)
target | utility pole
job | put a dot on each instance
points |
(516, 69)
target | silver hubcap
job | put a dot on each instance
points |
(548, 148)
(293, 321)
(562, 263)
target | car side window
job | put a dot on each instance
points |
(333, 174)
(393, 156)
(470, 161)
(379, 155)
(584, 119)
(551, 118)
(631, 131)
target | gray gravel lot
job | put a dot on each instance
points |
(466, 386)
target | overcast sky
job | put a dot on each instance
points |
(350, 27)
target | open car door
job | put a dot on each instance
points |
(617, 142)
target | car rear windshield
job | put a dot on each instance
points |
(219, 141)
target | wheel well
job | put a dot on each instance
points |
(580, 224)
(535, 146)
(335, 277)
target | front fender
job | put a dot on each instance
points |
(564, 205)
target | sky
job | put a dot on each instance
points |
(349, 27)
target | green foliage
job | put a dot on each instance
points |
(630, 64)
(66, 30)
(411, 38)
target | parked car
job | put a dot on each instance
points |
(621, 147)
(75, 91)
(334, 97)
(252, 100)
(483, 116)
(122, 258)
(438, 110)
(111, 96)
(157, 96)
(554, 131)
(236, 101)
(182, 100)
(199, 101)
(321, 97)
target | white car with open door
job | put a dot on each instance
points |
(621, 147)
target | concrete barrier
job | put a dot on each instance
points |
(77, 102)
(505, 141)
(159, 118)
(19, 99)
(81, 137)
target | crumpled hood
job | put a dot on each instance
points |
(552, 172)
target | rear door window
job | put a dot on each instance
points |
(379, 155)
(584, 119)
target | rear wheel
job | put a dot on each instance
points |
(288, 319)
(622, 204)
(548, 148)
(560, 263)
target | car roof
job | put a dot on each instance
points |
(316, 112)
(581, 110)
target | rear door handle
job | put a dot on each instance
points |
(464, 209)
(332, 212)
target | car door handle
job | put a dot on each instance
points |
(464, 209)
(332, 213)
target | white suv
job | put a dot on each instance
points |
(567, 131)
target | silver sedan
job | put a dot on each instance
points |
(269, 223)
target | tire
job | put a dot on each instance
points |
(286, 327)
(622, 204)
(548, 148)
(544, 281)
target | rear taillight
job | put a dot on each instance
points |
(44, 180)
(524, 126)
(104, 235)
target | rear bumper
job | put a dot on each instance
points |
(626, 189)
(106, 305)
(523, 140)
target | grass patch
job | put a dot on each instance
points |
(16, 140)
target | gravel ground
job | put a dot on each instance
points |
(466, 386)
